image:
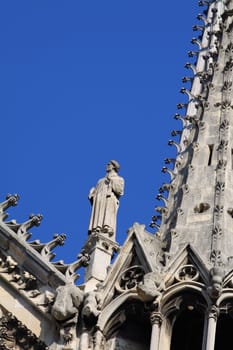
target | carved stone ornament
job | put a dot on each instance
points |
(23, 280)
(220, 187)
(130, 278)
(225, 105)
(224, 125)
(14, 335)
(67, 302)
(216, 257)
(218, 210)
(156, 318)
(22, 229)
(230, 212)
(228, 65)
(91, 307)
(11, 201)
(229, 48)
(227, 86)
(222, 146)
(66, 310)
(44, 249)
(214, 312)
(222, 163)
(216, 280)
(187, 273)
(151, 286)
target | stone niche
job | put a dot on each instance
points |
(134, 333)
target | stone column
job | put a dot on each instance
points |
(101, 250)
(98, 340)
(156, 321)
(211, 327)
(84, 340)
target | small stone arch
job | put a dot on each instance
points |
(183, 306)
(224, 326)
(181, 288)
(127, 326)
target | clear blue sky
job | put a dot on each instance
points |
(82, 82)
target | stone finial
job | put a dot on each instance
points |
(105, 200)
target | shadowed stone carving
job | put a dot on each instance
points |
(216, 275)
(201, 208)
(66, 310)
(91, 308)
(67, 302)
(151, 286)
(130, 278)
(105, 200)
(15, 335)
(187, 273)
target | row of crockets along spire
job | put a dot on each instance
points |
(186, 120)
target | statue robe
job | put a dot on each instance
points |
(105, 202)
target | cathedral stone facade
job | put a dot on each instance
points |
(169, 290)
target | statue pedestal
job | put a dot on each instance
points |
(101, 249)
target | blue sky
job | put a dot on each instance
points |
(82, 82)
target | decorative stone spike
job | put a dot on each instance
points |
(162, 198)
(169, 160)
(186, 79)
(154, 223)
(204, 2)
(173, 143)
(165, 188)
(11, 201)
(200, 17)
(198, 27)
(169, 171)
(191, 97)
(176, 132)
(188, 65)
(181, 105)
(45, 249)
(69, 270)
(22, 229)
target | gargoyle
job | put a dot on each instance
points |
(67, 301)
(151, 286)
(91, 307)
(216, 275)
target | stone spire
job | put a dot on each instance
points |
(199, 207)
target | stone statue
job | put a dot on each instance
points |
(105, 200)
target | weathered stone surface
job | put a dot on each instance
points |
(67, 302)
(105, 200)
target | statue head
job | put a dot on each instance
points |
(115, 164)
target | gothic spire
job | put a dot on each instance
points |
(199, 207)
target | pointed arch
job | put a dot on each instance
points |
(183, 306)
(225, 320)
(126, 322)
(111, 308)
